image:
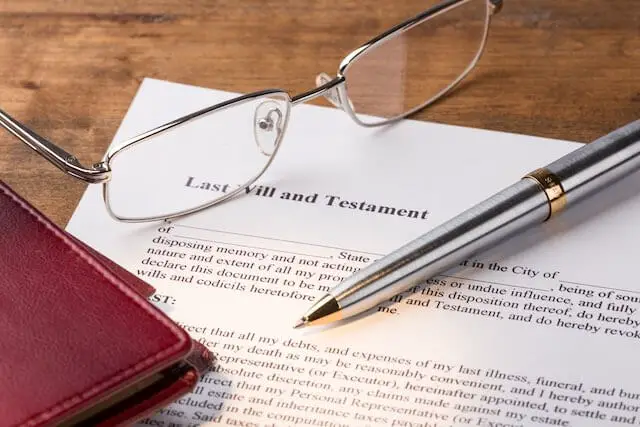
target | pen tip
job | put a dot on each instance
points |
(300, 323)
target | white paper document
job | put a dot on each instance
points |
(543, 330)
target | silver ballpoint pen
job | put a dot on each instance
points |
(531, 201)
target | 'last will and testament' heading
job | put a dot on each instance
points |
(313, 198)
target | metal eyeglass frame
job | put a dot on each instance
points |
(333, 89)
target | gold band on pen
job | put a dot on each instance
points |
(552, 187)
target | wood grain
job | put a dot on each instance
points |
(69, 68)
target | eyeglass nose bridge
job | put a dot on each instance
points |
(332, 94)
(326, 87)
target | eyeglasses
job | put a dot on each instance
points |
(395, 74)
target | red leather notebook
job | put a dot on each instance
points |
(80, 344)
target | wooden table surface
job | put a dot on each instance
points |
(69, 68)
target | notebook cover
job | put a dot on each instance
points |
(75, 327)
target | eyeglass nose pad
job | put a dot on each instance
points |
(332, 95)
(268, 122)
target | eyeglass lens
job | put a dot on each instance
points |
(406, 71)
(199, 162)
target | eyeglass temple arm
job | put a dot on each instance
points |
(60, 158)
